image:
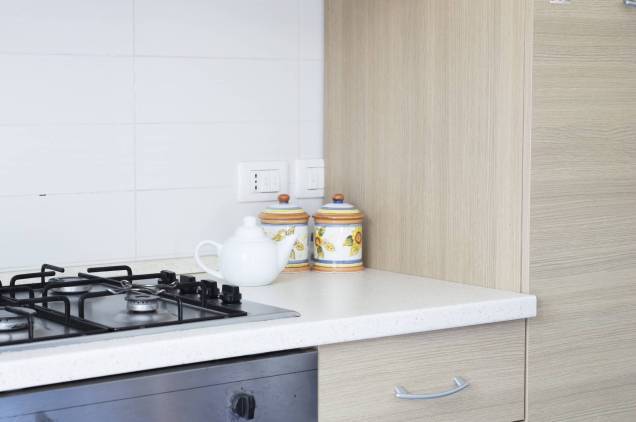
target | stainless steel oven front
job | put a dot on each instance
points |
(276, 387)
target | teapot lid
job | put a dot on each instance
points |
(284, 213)
(249, 230)
(338, 212)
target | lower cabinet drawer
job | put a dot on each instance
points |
(357, 380)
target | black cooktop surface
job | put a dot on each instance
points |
(49, 305)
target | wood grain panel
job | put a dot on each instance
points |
(424, 132)
(356, 380)
(582, 346)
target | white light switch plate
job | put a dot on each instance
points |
(310, 178)
(261, 180)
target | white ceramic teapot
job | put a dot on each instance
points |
(249, 257)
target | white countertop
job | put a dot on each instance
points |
(334, 308)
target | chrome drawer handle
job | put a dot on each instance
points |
(630, 3)
(460, 384)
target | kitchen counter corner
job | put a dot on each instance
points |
(334, 308)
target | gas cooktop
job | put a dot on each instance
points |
(110, 299)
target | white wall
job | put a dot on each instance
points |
(122, 121)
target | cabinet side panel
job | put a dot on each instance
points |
(424, 132)
(582, 346)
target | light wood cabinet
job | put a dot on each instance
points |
(424, 129)
(493, 142)
(357, 380)
(582, 243)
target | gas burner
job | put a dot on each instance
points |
(72, 289)
(141, 302)
(15, 318)
(48, 305)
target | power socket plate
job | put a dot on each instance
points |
(262, 180)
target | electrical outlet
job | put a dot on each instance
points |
(310, 178)
(261, 181)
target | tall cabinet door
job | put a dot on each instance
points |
(582, 346)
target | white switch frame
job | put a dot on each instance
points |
(277, 183)
(305, 171)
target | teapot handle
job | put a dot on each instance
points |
(200, 263)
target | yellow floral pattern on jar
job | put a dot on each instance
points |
(354, 241)
(281, 234)
(299, 245)
(321, 244)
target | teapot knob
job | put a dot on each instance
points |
(338, 198)
(283, 198)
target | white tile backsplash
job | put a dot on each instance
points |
(66, 26)
(215, 90)
(66, 228)
(311, 139)
(311, 29)
(66, 159)
(122, 121)
(196, 214)
(206, 155)
(311, 90)
(311, 108)
(217, 28)
(36, 89)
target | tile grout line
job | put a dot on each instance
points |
(147, 123)
(134, 110)
(299, 142)
(112, 191)
(152, 56)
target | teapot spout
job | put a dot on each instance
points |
(284, 249)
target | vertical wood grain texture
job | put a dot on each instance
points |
(424, 132)
(582, 346)
(356, 380)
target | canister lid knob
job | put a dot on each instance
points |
(283, 212)
(338, 212)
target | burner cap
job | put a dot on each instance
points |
(14, 318)
(69, 290)
(142, 302)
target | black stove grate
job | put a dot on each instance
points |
(186, 293)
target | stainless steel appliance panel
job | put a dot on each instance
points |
(283, 387)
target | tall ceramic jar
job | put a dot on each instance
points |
(284, 219)
(338, 237)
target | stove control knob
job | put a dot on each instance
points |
(187, 284)
(244, 405)
(168, 277)
(231, 294)
(211, 288)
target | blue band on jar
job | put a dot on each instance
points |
(302, 261)
(324, 261)
(285, 224)
(337, 225)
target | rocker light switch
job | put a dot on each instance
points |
(310, 178)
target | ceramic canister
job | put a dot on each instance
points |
(285, 219)
(338, 237)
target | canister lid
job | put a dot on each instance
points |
(284, 213)
(338, 211)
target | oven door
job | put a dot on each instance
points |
(276, 387)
